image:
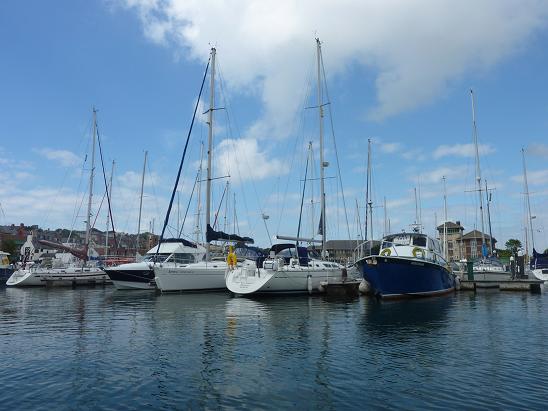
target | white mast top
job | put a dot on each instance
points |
(529, 216)
(323, 164)
(210, 147)
(478, 173)
(88, 220)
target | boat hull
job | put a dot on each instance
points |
(250, 280)
(393, 277)
(5, 274)
(191, 277)
(540, 273)
(128, 279)
(57, 277)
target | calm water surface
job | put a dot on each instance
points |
(100, 348)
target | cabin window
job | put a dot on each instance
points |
(419, 241)
(153, 258)
(182, 258)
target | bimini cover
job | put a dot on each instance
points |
(539, 260)
(212, 235)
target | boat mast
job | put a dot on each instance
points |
(385, 218)
(199, 197)
(368, 202)
(323, 164)
(108, 214)
(478, 173)
(529, 216)
(488, 201)
(88, 220)
(446, 254)
(210, 148)
(141, 202)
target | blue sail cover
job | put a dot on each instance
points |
(539, 260)
(212, 235)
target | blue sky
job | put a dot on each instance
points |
(398, 73)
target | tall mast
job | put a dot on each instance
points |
(529, 216)
(199, 197)
(91, 174)
(385, 218)
(323, 164)
(210, 147)
(488, 201)
(446, 254)
(141, 202)
(108, 214)
(478, 173)
(368, 202)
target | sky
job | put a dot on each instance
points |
(396, 72)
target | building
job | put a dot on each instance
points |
(341, 251)
(471, 243)
(455, 251)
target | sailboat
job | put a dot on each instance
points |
(539, 262)
(82, 269)
(488, 266)
(208, 274)
(290, 267)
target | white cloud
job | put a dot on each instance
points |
(538, 149)
(462, 150)
(435, 176)
(390, 147)
(244, 160)
(64, 157)
(539, 177)
(416, 48)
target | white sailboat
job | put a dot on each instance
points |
(208, 274)
(83, 269)
(291, 268)
(487, 267)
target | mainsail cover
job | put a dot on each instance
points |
(539, 260)
(212, 235)
(78, 253)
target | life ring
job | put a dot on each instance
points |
(386, 252)
(418, 250)
(231, 260)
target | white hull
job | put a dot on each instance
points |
(202, 276)
(540, 274)
(57, 277)
(284, 280)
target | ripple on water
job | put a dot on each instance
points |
(100, 348)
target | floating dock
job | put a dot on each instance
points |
(533, 286)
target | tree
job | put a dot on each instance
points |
(9, 246)
(513, 244)
(545, 251)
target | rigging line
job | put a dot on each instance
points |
(334, 143)
(228, 112)
(302, 198)
(301, 116)
(106, 188)
(182, 160)
(188, 205)
(98, 210)
(219, 208)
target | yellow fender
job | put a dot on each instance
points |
(231, 259)
(417, 251)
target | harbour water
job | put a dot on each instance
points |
(99, 348)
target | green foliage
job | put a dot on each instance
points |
(9, 246)
(545, 251)
(504, 253)
(512, 244)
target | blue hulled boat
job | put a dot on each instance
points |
(408, 265)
